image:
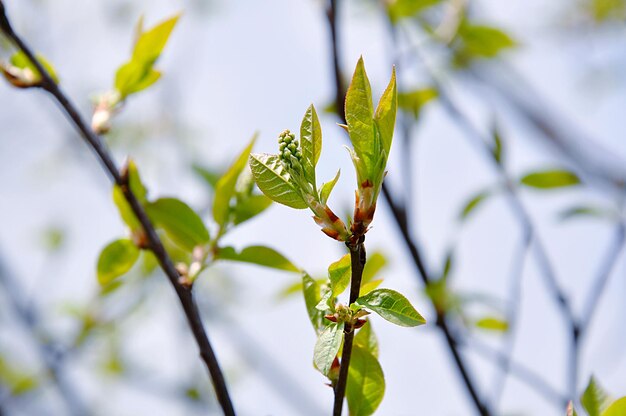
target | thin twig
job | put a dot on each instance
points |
(400, 217)
(357, 263)
(185, 294)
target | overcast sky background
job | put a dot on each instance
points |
(234, 68)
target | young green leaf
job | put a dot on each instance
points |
(339, 274)
(392, 306)
(327, 347)
(179, 221)
(273, 180)
(617, 408)
(20, 61)
(375, 263)
(327, 188)
(413, 101)
(480, 41)
(399, 9)
(473, 203)
(311, 142)
(209, 176)
(116, 259)
(366, 339)
(594, 399)
(385, 116)
(549, 179)
(311, 292)
(225, 189)
(366, 383)
(151, 43)
(369, 286)
(261, 255)
(491, 323)
(250, 207)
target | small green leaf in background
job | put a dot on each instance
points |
(366, 339)
(260, 255)
(138, 73)
(473, 203)
(225, 189)
(369, 286)
(413, 101)
(250, 208)
(550, 178)
(179, 221)
(311, 142)
(585, 211)
(15, 380)
(496, 149)
(116, 259)
(327, 347)
(594, 399)
(366, 383)
(480, 41)
(617, 408)
(327, 188)
(491, 323)
(138, 189)
(399, 9)
(134, 181)
(339, 274)
(273, 180)
(392, 306)
(311, 292)
(376, 261)
(210, 176)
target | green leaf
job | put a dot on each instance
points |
(392, 306)
(369, 286)
(225, 189)
(339, 274)
(273, 180)
(261, 255)
(359, 116)
(594, 399)
(21, 61)
(550, 178)
(385, 115)
(134, 181)
(366, 339)
(15, 380)
(491, 323)
(327, 188)
(473, 203)
(366, 383)
(250, 208)
(413, 101)
(327, 347)
(375, 263)
(211, 177)
(480, 41)
(617, 408)
(151, 43)
(311, 292)
(400, 9)
(138, 189)
(179, 221)
(116, 259)
(311, 142)
(496, 150)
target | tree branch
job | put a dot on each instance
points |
(185, 295)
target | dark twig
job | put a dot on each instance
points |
(185, 294)
(400, 217)
(357, 262)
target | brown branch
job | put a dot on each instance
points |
(185, 295)
(357, 262)
(400, 217)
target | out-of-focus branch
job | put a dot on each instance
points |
(185, 295)
(400, 217)
(50, 354)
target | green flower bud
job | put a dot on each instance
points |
(289, 152)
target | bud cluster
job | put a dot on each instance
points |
(289, 149)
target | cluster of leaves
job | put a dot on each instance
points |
(596, 402)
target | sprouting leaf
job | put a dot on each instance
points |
(339, 274)
(376, 261)
(491, 323)
(594, 399)
(413, 101)
(327, 347)
(550, 178)
(261, 255)
(399, 9)
(116, 259)
(366, 383)
(617, 408)
(327, 188)
(210, 176)
(473, 203)
(311, 292)
(179, 221)
(369, 286)
(311, 142)
(250, 207)
(134, 181)
(392, 306)
(22, 73)
(273, 180)
(225, 189)
(138, 189)
(385, 115)
(366, 339)
(138, 73)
